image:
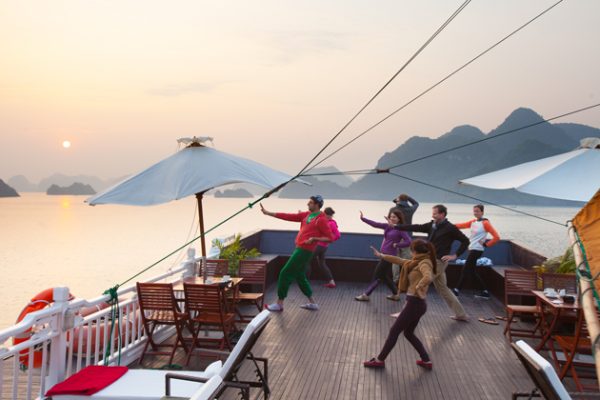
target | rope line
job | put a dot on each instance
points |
(438, 83)
(433, 36)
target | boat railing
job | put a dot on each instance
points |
(58, 341)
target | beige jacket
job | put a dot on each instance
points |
(419, 277)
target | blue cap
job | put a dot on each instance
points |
(318, 199)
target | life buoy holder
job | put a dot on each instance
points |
(37, 303)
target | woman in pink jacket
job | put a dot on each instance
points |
(321, 248)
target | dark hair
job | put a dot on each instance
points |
(441, 209)
(421, 246)
(480, 206)
(398, 213)
(329, 211)
(318, 199)
(403, 197)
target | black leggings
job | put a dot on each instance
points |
(407, 322)
(319, 255)
(383, 272)
(470, 268)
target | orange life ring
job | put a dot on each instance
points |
(38, 302)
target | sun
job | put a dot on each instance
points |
(66, 144)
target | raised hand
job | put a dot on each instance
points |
(263, 210)
(376, 252)
(361, 214)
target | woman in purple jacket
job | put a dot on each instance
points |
(393, 240)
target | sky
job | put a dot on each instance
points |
(273, 80)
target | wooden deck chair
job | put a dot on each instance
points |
(570, 364)
(159, 307)
(544, 377)
(560, 281)
(518, 283)
(206, 306)
(215, 267)
(254, 273)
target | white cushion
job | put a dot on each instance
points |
(209, 389)
(546, 368)
(146, 384)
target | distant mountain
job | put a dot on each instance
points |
(21, 184)
(76, 188)
(7, 191)
(424, 179)
(578, 131)
(341, 180)
(65, 180)
(239, 193)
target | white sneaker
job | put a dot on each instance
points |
(310, 306)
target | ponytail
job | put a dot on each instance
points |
(421, 246)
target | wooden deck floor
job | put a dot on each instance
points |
(319, 354)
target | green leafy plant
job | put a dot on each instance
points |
(234, 252)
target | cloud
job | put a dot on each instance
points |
(291, 45)
(180, 89)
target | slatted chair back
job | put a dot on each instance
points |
(203, 298)
(215, 267)
(519, 283)
(560, 281)
(254, 272)
(156, 297)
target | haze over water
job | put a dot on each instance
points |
(61, 241)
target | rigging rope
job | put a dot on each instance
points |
(433, 36)
(434, 86)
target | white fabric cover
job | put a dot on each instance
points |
(568, 176)
(187, 172)
(148, 384)
(547, 368)
(209, 389)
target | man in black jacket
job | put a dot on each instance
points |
(441, 233)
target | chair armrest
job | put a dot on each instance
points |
(182, 377)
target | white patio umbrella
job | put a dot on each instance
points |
(191, 171)
(574, 175)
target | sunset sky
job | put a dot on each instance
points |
(272, 80)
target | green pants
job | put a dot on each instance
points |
(294, 270)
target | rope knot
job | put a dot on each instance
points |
(112, 292)
(382, 170)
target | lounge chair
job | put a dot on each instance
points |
(543, 375)
(143, 384)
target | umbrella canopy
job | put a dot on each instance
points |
(191, 171)
(568, 176)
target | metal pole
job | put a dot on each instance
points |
(587, 301)
(201, 220)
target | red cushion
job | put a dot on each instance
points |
(88, 381)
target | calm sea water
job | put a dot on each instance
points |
(61, 241)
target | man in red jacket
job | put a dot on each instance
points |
(314, 228)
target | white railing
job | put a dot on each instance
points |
(61, 339)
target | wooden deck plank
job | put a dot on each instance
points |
(318, 354)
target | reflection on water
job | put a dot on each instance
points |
(61, 241)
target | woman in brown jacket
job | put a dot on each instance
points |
(416, 275)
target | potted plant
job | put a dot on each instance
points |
(234, 252)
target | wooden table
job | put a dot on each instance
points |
(558, 309)
(216, 280)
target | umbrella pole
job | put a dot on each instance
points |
(201, 220)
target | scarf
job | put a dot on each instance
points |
(407, 267)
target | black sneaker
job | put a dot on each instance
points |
(484, 294)
(456, 292)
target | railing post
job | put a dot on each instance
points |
(58, 347)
